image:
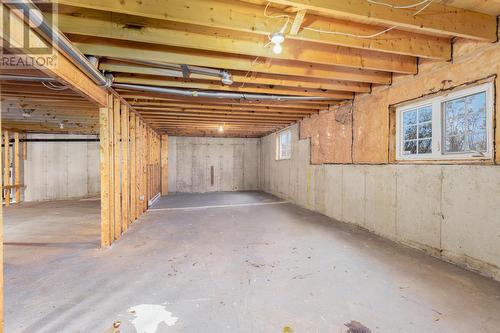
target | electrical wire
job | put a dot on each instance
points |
(426, 2)
(396, 6)
(282, 30)
(52, 86)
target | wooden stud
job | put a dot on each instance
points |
(125, 168)
(1, 247)
(117, 168)
(133, 172)
(6, 174)
(17, 167)
(25, 147)
(104, 153)
(112, 193)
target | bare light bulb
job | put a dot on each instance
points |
(221, 129)
(277, 48)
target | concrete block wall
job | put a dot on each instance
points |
(61, 170)
(449, 211)
(235, 164)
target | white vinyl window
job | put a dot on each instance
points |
(284, 145)
(458, 125)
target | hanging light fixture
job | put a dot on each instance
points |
(277, 39)
(221, 128)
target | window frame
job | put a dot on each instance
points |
(438, 121)
(278, 144)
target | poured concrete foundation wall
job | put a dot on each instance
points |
(449, 211)
(213, 164)
(61, 170)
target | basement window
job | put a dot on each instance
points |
(284, 145)
(455, 126)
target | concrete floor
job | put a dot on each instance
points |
(273, 267)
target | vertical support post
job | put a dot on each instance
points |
(145, 167)
(25, 147)
(1, 240)
(138, 166)
(125, 169)
(133, 171)
(117, 167)
(164, 164)
(104, 153)
(111, 151)
(17, 167)
(6, 174)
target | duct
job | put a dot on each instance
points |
(214, 94)
(178, 68)
(33, 15)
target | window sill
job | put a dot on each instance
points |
(484, 161)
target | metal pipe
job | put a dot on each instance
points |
(33, 15)
(214, 94)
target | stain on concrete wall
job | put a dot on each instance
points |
(61, 170)
(449, 211)
(213, 164)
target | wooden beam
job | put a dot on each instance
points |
(134, 51)
(240, 77)
(244, 44)
(436, 19)
(6, 172)
(297, 22)
(63, 69)
(125, 167)
(104, 153)
(164, 164)
(245, 17)
(214, 85)
(17, 167)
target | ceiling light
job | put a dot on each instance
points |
(277, 38)
(226, 78)
(277, 48)
(61, 125)
(221, 129)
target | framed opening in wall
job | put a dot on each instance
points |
(456, 126)
(284, 145)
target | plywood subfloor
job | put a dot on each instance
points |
(243, 268)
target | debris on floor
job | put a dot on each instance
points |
(149, 316)
(357, 327)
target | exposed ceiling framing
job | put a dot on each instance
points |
(332, 49)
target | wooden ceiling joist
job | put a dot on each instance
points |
(241, 77)
(249, 88)
(438, 19)
(331, 49)
(150, 52)
(241, 43)
(246, 17)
